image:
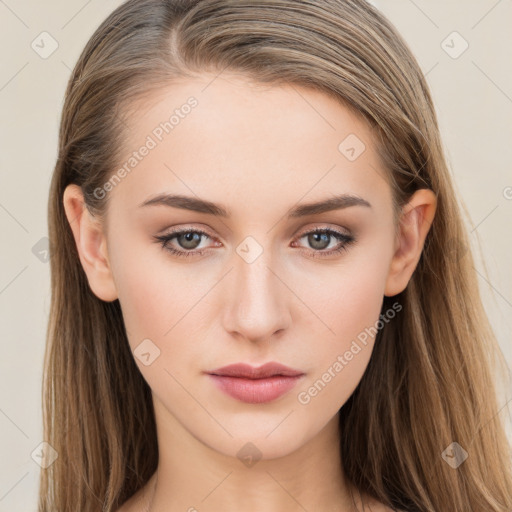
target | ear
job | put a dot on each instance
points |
(416, 218)
(91, 244)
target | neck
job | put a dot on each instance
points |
(192, 476)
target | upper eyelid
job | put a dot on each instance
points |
(300, 234)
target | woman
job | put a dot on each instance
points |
(261, 293)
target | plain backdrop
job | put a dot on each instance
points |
(463, 48)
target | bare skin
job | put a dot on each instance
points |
(258, 152)
(142, 499)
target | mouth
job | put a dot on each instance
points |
(254, 385)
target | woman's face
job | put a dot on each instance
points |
(254, 285)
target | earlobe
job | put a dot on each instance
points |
(415, 222)
(91, 244)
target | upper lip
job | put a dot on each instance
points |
(247, 371)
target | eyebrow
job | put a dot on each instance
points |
(337, 202)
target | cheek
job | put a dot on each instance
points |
(157, 305)
(349, 303)
(153, 294)
(161, 301)
(345, 299)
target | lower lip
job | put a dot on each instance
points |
(255, 391)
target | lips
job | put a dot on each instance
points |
(247, 371)
(254, 385)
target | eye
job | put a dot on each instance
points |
(188, 241)
(320, 238)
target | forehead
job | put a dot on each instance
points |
(226, 136)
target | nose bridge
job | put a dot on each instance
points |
(258, 305)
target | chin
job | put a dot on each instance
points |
(265, 443)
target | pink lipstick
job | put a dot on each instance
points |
(255, 385)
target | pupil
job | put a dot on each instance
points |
(189, 239)
(317, 238)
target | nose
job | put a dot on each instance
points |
(257, 300)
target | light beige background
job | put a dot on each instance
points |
(473, 95)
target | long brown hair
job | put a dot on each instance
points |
(429, 382)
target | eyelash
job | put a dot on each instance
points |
(345, 241)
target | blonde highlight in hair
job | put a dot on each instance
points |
(429, 381)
